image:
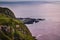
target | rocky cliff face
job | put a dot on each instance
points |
(11, 28)
(7, 11)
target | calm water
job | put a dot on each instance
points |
(44, 30)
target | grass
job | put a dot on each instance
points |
(12, 22)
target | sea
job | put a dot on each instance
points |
(49, 29)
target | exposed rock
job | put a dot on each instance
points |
(9, 29)
(7, 11)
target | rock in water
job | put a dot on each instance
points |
(11, 28)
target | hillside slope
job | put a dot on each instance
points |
(11, 28)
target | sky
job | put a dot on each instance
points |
(28, 0)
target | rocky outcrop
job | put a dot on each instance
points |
(11, 28)
(7, 11)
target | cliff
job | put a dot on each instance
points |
(11, 28)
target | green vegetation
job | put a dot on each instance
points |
(13, 29)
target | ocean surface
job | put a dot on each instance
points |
(49, 29)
